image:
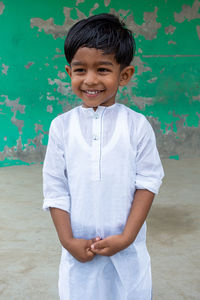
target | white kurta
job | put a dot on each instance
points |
(95, 161)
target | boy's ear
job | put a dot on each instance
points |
(68, 69)
(126, 74)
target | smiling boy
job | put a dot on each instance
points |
(96, 76)
(101, 171)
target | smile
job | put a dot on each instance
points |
(92, 92)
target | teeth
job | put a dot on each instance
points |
(92, 92)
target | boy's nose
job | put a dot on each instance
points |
(91, 78)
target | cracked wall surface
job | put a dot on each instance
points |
(34, 87)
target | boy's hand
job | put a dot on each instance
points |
(110, 245)
(81, 249)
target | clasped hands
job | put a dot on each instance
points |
(85, 250)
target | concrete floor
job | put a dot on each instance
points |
(30, 251)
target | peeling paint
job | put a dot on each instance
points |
(39, 127)
(152, 80)
(79, 1)
(62, 75)
(33, 151)
(96, 6)
(29, 65)
(171, 42)
(5, 69)
(188, 12)
(198, 31)
(49, 108)
(107, 2)
(15, 106)
(186, 145)
(141, 102)
(140, 65)
(58, 50)
(2, 7)
(148, 29)
(57, 56)
(196, 98)
(64, 88)
(50, 98)
(170, 29)
(49, 27)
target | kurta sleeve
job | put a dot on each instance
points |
(149, 170)
(55, 183)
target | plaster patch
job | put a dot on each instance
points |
(57, 56)
(50, 98)
(141, 102)
(62, 75)
(29, 65)
(49, 108)
(152, 80)
(39, 127)
(140, 65)
(198, 31)
(196, 98)
(171, 42)
(188, 13)
(31, 152)
(15, 106)
(5, 69)
(57, 31)
(170, 29)
(184, 143)
(79, 1)
(2, 6)
(149, 27)
(96, 5)
(64, 88)
(107, 2)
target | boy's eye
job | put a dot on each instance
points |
(79, 70)
(103, 70)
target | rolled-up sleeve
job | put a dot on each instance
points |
(149, 170)
(55, 184)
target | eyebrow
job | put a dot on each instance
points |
(78, 63)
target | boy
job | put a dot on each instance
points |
(101, 171)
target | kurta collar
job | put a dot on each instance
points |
(99, 109)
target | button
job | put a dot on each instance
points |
(96, 116)
(95, 137)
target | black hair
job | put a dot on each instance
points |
(104, 32)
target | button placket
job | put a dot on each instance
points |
(96, 147)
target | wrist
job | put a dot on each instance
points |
(127, 238)
(67, 242)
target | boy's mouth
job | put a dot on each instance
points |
(93, 92)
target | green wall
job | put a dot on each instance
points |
(34, 87)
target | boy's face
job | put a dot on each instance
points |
(95, 77)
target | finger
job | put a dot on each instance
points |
(99, 245)
(90, 254)
(102, 251)
(96, 239)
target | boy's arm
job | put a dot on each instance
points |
(79, 248)
(139, 210)
(138, 213)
